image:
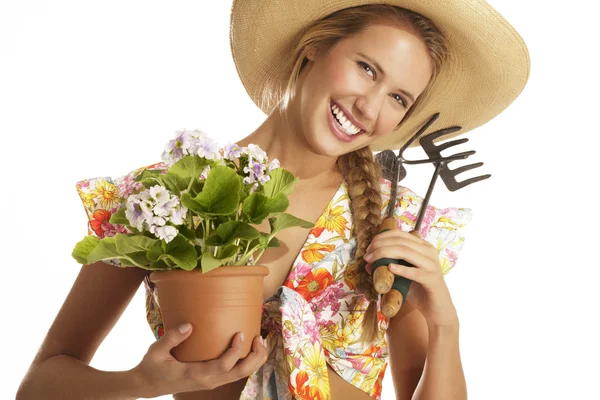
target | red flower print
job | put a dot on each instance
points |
(98, 218)
(314, 283)
(302, 391)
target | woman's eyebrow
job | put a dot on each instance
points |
(407, 94)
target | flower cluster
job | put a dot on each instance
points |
(190, 143)
(200, 144)
(151, 209)
(197, 209)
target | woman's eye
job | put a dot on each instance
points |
(398, 98)
(363, 65)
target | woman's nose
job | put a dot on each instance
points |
(368, 107)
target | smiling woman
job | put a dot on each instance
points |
(337, 81)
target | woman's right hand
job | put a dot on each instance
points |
(162, 374)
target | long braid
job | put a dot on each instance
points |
(362, 175)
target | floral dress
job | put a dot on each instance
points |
(315, 318)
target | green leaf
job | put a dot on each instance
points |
(130, 243)
(158, 266)
(281, 181)
(188, 233)
(274, 242)
(209, 262)
(220, 195)
(228, 252)
(258, 206)
(135, 259)
(184, 171)
(107, 249)
(285, 220)
(83, 248)
(214, 240)
(243, 194)
(265, 243)
(149, 178)
(119, 217)
(231, 230)
(181, 253)
(153, 254)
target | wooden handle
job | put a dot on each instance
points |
(383, 279)
(391, 303)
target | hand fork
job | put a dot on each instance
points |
(394, 287)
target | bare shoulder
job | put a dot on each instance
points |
(408, 338)
(96, 301)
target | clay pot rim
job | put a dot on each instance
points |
(227, 270)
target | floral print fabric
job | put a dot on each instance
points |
(315, 318)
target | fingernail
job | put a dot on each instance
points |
(185, 327)
(242, 336)
(368, 256)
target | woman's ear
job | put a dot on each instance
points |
(311, 53)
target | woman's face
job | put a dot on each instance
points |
(374, 76)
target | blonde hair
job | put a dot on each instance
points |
(361, 172)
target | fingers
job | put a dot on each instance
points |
(228, 360)
(419, 245)
(249, 364)
(170, 339)
(420, 259)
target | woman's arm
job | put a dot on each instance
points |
(61, 370)
(65, 377)
(443, 376)
(424, 361)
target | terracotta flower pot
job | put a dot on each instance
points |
(218, 304)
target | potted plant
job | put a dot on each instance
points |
(191, 225)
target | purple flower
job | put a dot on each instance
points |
(232, 151)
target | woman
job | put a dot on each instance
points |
(337, 82)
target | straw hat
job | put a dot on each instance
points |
(487, 68)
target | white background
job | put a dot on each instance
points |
(97, 89)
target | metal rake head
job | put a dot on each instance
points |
(434, 151)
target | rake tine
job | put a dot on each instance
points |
(448, 175)
(434, 135)
(444, 146)
(464, 168)
(454, 185)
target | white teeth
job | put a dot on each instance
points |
(346, 125)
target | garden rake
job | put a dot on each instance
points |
(394, 287)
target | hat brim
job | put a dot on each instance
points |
(487, 68)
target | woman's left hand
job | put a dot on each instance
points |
(428, 292)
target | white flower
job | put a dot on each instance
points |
(178, 215)
(135, 213)
(205, 172)
(256, 152)
(208, 148)
(273, 164)
(167, 233)
(232, 151)
(151, 210)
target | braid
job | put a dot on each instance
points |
(362, 175)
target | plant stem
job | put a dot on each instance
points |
(261, 253)
(246, 257)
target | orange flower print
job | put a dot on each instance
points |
(304, 391)
(314, 283)
(107, 195)
(377, 387)
(332, 220)
(98, 218)
(313, 253)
